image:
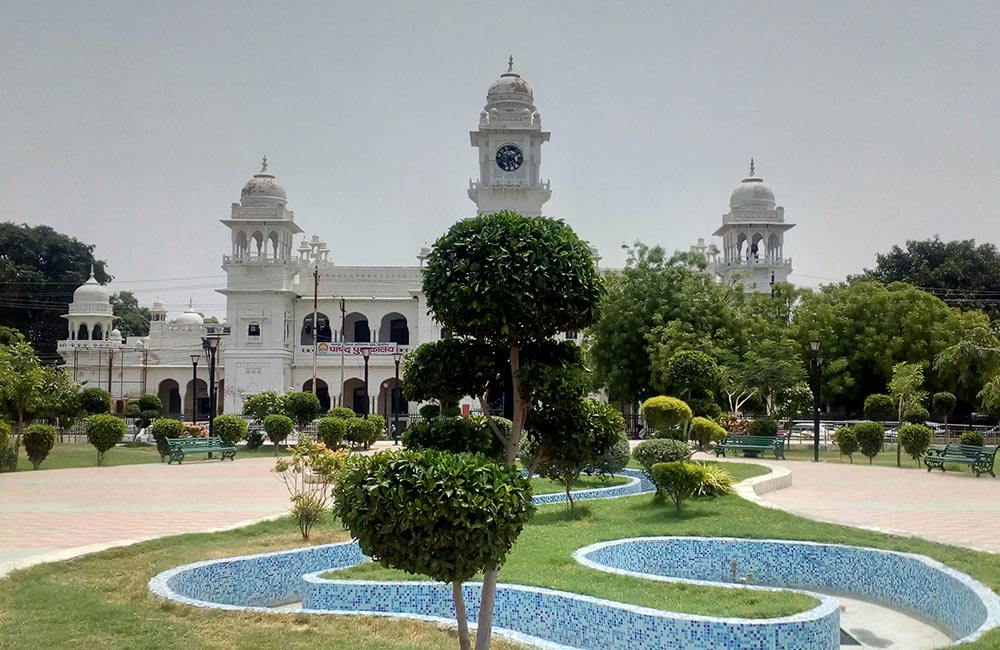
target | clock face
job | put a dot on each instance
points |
(509, 157)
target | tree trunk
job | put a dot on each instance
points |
(569, 497)
(899, 443)
(463, 623)
(485, 627)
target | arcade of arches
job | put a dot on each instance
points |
(357, 329)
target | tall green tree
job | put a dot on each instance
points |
(966, 365)
(130, 318)
(22, 384)
(906, 389)
(39, 271)
(510, 280)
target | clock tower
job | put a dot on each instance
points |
(509, 142)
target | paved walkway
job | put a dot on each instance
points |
(951, 507)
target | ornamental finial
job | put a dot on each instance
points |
(263, 166)
(510, 63)
(751, 166)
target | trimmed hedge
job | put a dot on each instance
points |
(104, 432)
(38, 440)
(331, 431)
(231, 428)
(915, 438)
(764, 427)
(871, 437)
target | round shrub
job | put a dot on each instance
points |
(301, 406)
(341, 412)
(705, 407)
(943, 404)
(278, 427)
(706, 431)
(451, 411)
(149, 402)
(360, 432)
(974, 438)
(132, 411)
(847, 442)
(38, 441)
(457, 435)
(871, 436)
(429, 411)
(231, 428)
(764, 427)
(95, 400)
(164, 428)
(916, 414)
(331, 431)
(680, 481)
(880, 408)
(915, 438)
(104, 432)
(447, 516)
(379, 423)
(666, 415)
(4, 434)
(613, 460)
(659, 450)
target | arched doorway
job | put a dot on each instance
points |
(202, 397)
(170, 396)
(354, 395)
(322, 392)
(391, 403)
(394, 329)
(323, 332)
(356, 328)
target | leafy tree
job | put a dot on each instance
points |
(22, 384)
(259, 406)
(688, 373)
(130, 318)
(341, 413)
(278, 427)
(38, 442)
(879, 407)
(847, 442)
(681, 481)
(668, 416)
(964, 366)
(452, 368)
(104, 432)
(95, 400)
(302, 407)
(915, 439)
(906, 390)
(943, 405)
(989, 397)
(870, 437)
(360, 432)
(916, 414)
(4, 434)
(231, 428)
(39, 270)
(331, 431)
(794, 402)
(960, 272)
(772, 369)
(706, 431)
(468, 516)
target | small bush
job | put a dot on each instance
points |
(681, 481)
(104, 432)
(379, 423)
(429, 411)
(943, 405)
(613, 461)
(149, 402)
(4, 434)
(915, 438)
(301, 406)
(132, 411)
(308, 474)
(95, 400)
(718, 482)
(974, 438)
(847, 442)
(341, 412)
(650, 452)
(668, 416)
(870, 436)
(164, 428)
(331, 431)
(706, 431)
(734, 425)
(916, 414)
(278, 427)
(764, 427)
(880, 407)
(360, 432)
(231, 428)
(38, 441)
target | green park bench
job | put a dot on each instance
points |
(979, 458)
(751, 443)
(179, 447)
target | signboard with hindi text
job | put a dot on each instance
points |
(375, 349)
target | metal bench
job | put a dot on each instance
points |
(179, 447)
(751, 443)
(980, 459)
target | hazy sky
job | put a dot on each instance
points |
(134, 125)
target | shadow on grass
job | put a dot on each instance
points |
(556, 515)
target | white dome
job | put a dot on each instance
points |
(190, 317)
(157, 305)
(752, 193)
(263, 189)
(91, 292)
(116, 334)
(510, 85)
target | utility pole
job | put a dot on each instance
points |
(111, 367)
(343, 322)
(315, 323)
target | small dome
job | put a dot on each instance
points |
(263, 189)
(752, 193)
(190, 317)
(509, 83)
(116, 334)
(91, 292)
(157, 305)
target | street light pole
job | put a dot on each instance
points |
(210, 344)
(397, 356)
(366, 353)
(817, 362)
(194, 387)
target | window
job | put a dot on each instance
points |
(361, 332)
(399, 332)
(571, 336)
(253, 330)
(323, 332)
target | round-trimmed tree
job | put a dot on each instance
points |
(331, 431)
(915, 438)
(870, 436)
(668, 416)
(943, 405)
(302, 407)
(259, 406)
(460, 514)
(95, 400)
(278, 427)
(231, 428)
(342, 413)
(705, 431)
(847, 442)
(163, 428)
(38, 440)
(916, 414)
(104, 432)
(880, 407)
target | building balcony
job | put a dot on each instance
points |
(754, 262)
(255, 258)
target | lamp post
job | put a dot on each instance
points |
(194, 386)
(817, 363)
(210, 344)
(366, 353)
(397, 357)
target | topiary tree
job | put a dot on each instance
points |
(509, 281)
(95, 400)
(915, 439)
(668, 416)
(163, 428)
(974, 438)
(150, 408)
(879, 407)
(259, 406)
(871, 436)
(429, 411)
(469, 513)
(278, 427)
(916, 414)
(8, 454)
(331, 431)
(847, 442)
(613, 460)
(690, 373)
(659, 450)
(706, 431)
(38, 441)
(764, 427)
(360, 432)
(455, 434)
(681, 481)
(231, 428)
(341, 412)
(104, 432)
(302, 407)
(943, 405)
(4, 434)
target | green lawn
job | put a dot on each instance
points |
(66, 455)
(885, 459)
(102, 600)
(545, 486)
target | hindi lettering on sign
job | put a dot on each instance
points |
(374, 349)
